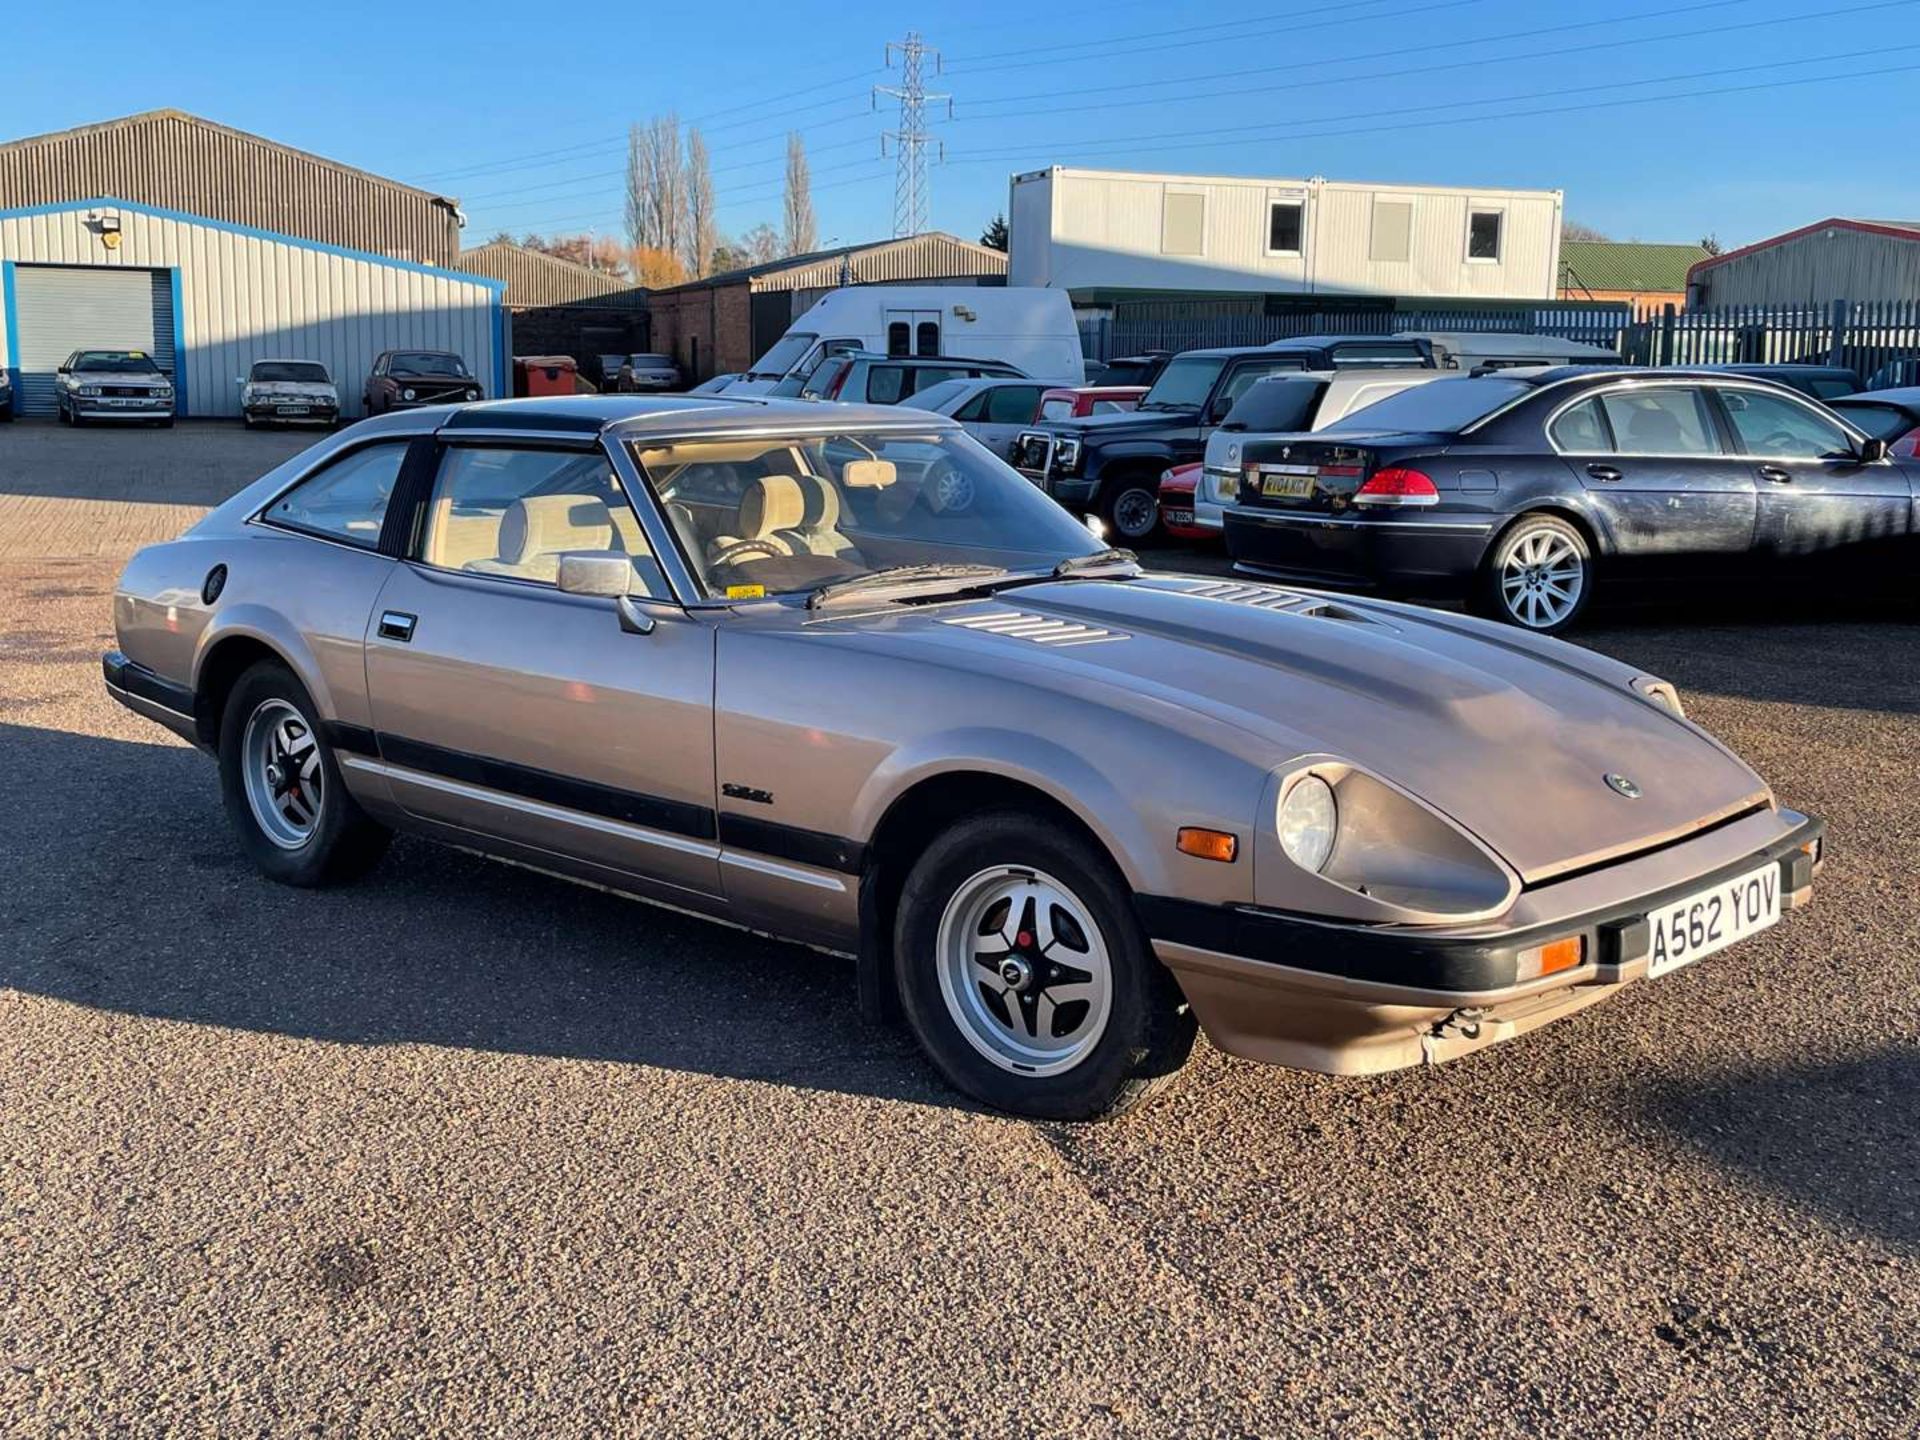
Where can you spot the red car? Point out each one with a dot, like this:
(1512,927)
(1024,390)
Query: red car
(1070,402)
(1176,504)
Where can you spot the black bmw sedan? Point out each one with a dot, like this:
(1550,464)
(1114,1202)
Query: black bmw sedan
(1525,492)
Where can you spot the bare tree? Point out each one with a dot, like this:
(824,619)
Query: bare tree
(701,234)
(799,235)
(656,187)
(1711,244)
(761,244)
(1574,230)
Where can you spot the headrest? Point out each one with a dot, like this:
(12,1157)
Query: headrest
(773,504)
(868,474)
(546,524)
(823,504)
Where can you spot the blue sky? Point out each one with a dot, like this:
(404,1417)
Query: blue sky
(521,109)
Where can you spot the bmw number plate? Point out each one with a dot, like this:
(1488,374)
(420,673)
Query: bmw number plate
(1713,919)
(1286,482)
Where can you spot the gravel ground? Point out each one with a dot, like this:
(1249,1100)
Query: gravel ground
(463,1151)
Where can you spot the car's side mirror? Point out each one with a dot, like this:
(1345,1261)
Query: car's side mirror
(64,370)
(1873,451)
(598,572)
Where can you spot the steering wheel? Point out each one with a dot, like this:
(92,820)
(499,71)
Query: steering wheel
(1780,442)
(748,549)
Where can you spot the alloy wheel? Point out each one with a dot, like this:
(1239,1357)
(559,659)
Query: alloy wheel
(1024,970)
(285,781)
(1542,577)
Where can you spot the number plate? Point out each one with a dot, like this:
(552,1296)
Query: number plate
(1177,517)
(1711,920)
(292,409)
(1286,482)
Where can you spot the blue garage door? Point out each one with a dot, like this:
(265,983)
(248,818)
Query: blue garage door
(64,308)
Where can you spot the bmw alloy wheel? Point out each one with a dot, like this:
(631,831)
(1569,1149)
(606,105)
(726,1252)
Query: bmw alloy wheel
(285,781)
(1542,577)
(1024,970)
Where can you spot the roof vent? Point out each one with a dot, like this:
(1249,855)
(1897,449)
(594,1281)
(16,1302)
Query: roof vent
(1039,629)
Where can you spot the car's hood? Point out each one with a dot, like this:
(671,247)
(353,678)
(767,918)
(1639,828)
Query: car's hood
(291,388)
(134,382)
(1510,735)
(1118,423)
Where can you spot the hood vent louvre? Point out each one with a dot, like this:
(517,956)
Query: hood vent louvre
(1018,625)
(1260,597)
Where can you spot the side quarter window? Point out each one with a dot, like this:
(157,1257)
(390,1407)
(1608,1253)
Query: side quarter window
(346,501)
(1582,430)
(974,409)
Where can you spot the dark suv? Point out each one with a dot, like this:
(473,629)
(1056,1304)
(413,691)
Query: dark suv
(1111,464)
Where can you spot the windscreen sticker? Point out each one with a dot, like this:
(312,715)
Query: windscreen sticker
(746,592)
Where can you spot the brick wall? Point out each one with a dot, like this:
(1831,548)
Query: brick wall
(707,331)
(582,331)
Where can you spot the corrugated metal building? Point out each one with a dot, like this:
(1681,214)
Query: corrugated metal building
(207,297)
(727,321)
(177,161)
(1858,260)
(534,278)
(1111,235)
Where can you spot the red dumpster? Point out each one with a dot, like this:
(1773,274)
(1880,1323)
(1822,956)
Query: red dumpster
(543,374)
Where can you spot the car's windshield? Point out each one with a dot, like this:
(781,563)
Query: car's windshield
(307,371)
(116,362)
(784,355)
(1443,406)
(652,362)
(1185,383)
(769,515)
(936,397)
(425,362)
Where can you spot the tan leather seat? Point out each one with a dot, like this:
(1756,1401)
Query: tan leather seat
(818,532)
(539,529)
(774,504)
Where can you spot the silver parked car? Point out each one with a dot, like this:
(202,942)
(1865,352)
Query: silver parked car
(112,385)
(724,656)
(288,392)
(993,411)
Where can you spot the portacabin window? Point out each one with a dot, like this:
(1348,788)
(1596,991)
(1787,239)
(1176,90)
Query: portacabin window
(1484,234)
(1286,227)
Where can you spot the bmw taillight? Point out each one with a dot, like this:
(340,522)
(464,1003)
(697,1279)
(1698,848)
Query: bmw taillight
(1397,485)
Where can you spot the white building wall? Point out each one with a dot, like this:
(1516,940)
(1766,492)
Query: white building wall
(1100,229)
(245,295)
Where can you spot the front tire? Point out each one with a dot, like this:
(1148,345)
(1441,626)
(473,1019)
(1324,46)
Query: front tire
(282,786)
(1027,978)
(1538,575)
(1131,507)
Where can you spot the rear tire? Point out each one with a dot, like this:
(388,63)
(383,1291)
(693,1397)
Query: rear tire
(1069,1016)
(1538,575)
(282,786)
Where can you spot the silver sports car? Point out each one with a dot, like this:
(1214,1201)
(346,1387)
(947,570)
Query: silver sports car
(743,659)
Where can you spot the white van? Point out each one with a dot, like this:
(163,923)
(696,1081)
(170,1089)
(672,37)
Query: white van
(1029,327)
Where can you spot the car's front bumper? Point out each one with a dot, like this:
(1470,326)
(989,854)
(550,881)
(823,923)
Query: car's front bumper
(1350,999)
(296,412)
(96,407)
(1410,553)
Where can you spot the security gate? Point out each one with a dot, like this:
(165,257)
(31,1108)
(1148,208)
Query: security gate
(64,308)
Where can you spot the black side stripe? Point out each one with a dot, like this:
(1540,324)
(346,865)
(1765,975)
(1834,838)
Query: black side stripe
(677,817)
(354,739)
(790,842)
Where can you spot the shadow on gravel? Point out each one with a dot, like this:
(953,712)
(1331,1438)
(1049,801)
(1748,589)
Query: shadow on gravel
(125,891)
(1841,1141)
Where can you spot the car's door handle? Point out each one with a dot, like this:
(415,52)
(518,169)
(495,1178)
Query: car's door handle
(1603,472)
(397,625)
(1776,474)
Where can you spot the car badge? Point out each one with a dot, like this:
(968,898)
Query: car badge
(1621,785)
(1233,453)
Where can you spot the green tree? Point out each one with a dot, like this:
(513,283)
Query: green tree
(994,237)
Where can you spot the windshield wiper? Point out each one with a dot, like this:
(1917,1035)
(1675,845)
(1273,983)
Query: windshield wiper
(1163,405)
(910,578)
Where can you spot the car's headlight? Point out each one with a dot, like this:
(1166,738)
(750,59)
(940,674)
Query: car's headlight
(406,394)
(1661,693)
(1309,822)
(89,389)
(163,392)
(1066,456)
(473,394)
